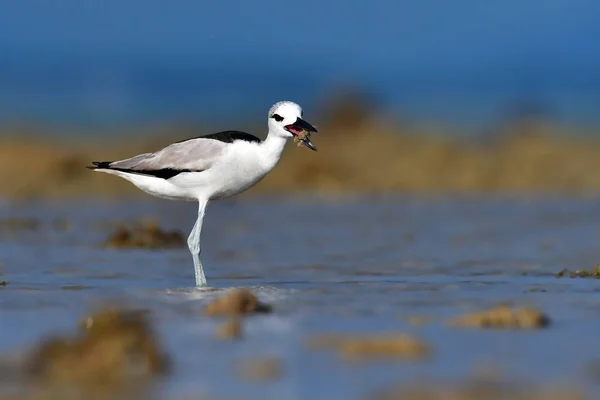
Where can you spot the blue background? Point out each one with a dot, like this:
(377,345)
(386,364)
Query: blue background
(461,62)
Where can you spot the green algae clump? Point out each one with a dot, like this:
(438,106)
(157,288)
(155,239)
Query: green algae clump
(237,302)
(113,348)
(580,273)
(389,346)
(502,317)
(146,236)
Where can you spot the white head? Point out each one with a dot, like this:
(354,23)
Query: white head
(285,120)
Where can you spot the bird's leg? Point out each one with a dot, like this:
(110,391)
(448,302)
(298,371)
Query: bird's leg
(194,245)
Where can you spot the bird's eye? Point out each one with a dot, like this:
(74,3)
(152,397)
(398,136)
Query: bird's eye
(277,117)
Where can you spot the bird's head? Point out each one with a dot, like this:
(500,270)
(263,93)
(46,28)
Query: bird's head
(285,120)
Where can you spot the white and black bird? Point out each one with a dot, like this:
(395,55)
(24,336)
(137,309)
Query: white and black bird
(212,167)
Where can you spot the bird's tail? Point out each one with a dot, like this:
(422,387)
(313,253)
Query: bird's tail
(99,164)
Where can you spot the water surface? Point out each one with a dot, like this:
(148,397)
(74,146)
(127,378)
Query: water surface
(361,265)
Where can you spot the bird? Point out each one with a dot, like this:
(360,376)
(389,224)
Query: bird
(214,166)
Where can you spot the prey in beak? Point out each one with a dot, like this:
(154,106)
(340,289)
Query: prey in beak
(301,131)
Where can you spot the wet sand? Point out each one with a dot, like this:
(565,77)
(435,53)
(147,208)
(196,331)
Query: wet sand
(372,155)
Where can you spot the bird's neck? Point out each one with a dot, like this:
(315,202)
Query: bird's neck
(273,146)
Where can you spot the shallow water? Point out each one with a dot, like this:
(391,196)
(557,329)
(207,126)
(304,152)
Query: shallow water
(360,265)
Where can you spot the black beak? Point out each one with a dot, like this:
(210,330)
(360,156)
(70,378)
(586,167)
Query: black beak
(302,125)
(309,144)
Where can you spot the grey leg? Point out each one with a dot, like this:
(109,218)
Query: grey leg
(194,245)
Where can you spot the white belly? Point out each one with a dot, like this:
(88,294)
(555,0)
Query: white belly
(235,173)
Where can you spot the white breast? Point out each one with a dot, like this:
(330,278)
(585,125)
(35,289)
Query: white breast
(241,166)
